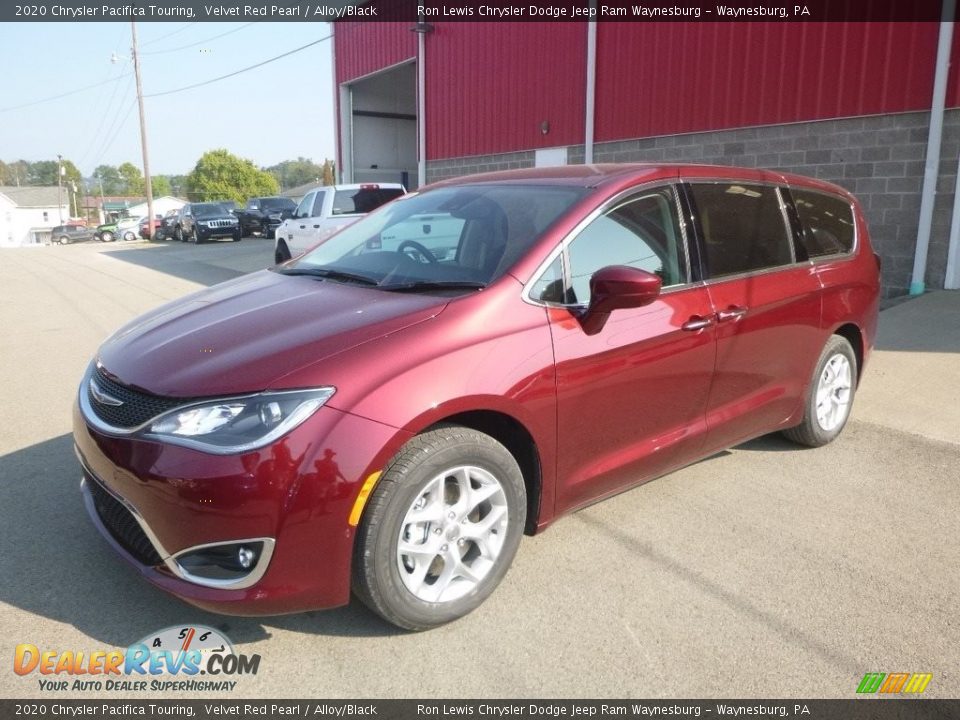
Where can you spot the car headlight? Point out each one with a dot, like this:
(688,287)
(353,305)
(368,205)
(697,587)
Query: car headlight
(236,425)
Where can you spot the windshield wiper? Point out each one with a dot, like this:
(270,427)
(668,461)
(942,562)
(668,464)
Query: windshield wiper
(435,285)
(329,274)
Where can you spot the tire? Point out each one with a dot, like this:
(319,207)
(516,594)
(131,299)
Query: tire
(830,396)
(178,234)
(64,240)
(195,236)
(237,236)
(282,253)
(414,590)
(243,231)
(106,236)
(129,236)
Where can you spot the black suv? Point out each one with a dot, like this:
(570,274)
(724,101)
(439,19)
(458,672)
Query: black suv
(64,234)
(199,222)
(264,215)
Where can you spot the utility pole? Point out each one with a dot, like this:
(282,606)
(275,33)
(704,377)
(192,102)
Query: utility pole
(143,133)
(60,187)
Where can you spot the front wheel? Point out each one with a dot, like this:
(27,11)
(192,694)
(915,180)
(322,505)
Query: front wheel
(106,236)
(178,234)
(441,528)
(830,396)
(64,240)
(282,253)
(237,236)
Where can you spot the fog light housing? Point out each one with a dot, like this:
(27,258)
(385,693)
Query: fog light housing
(225,565)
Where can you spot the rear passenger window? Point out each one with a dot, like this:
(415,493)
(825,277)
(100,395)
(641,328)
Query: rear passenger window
(828,226)
(743,228)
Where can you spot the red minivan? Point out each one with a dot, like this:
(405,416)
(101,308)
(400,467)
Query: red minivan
(390,418)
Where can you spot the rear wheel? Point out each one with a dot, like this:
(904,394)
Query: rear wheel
(64,240)
(195,236)
(178,234)
(282,253)
(129,236)
(441,528)
(830,396)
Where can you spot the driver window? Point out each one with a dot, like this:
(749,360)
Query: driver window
(317,210)
(303,209)
(641,232)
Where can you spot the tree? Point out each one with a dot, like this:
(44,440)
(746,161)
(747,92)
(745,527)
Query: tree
(219,175)
(291,173)
(329,172)
(131,179)
(109,177)
(161,186)
(15,173)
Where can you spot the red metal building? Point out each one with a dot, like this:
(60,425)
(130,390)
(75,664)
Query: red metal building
(846,101)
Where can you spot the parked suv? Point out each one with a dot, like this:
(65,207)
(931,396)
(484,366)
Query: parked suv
(264,214)
(390,420)
(65,234)
(199,222)
(325,210)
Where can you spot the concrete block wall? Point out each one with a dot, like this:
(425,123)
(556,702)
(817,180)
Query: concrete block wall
(880,159)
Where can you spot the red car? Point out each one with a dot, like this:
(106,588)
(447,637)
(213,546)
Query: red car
(390,412)
(157,222)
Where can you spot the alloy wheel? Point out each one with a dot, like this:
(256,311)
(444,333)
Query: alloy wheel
(833,392)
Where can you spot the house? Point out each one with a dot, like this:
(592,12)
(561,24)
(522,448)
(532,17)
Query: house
(27,214)
(296,193)
(161,206)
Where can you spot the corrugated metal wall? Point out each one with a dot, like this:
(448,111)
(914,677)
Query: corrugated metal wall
(667,78)
(491,85)
(365,47)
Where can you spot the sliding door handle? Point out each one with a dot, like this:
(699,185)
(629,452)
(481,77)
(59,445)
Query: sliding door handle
(734,312)
(697,322)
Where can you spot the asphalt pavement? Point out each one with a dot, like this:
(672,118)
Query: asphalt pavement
(766,571)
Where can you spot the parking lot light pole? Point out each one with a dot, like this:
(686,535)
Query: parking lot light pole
(148,186)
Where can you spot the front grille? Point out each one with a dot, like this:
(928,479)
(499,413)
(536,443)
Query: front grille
(121,524)
(220,223)
(136,407)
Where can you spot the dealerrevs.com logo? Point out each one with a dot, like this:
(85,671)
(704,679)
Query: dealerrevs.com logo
(172,659)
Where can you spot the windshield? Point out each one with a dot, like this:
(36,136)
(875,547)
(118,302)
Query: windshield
(277,204)
(208,210)
(465,236)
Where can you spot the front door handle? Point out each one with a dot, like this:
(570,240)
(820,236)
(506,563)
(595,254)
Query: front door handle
(316,226)
(734,312)
(303,227)
(697,322)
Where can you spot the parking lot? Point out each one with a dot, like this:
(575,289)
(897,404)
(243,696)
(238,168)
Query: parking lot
(765,571)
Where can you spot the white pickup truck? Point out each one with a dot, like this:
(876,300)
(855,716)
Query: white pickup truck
(325,210)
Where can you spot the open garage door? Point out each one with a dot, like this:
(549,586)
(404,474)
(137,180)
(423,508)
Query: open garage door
(378,120)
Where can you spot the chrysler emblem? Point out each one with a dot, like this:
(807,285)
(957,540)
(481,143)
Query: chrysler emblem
(101,397)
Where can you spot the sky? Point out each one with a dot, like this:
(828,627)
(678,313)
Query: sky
(280,111)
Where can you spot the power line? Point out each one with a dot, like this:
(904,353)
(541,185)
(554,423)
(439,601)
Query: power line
(238,72)
(199,42)
(115,128)
(63,95)
(95,139)
(186,26)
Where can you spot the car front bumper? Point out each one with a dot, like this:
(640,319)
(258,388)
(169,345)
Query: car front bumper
(209,233)
(154,501)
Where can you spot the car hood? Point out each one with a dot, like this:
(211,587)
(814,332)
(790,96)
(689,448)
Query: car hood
(246,334)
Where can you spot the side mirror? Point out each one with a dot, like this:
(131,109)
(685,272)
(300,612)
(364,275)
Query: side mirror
(617,287)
